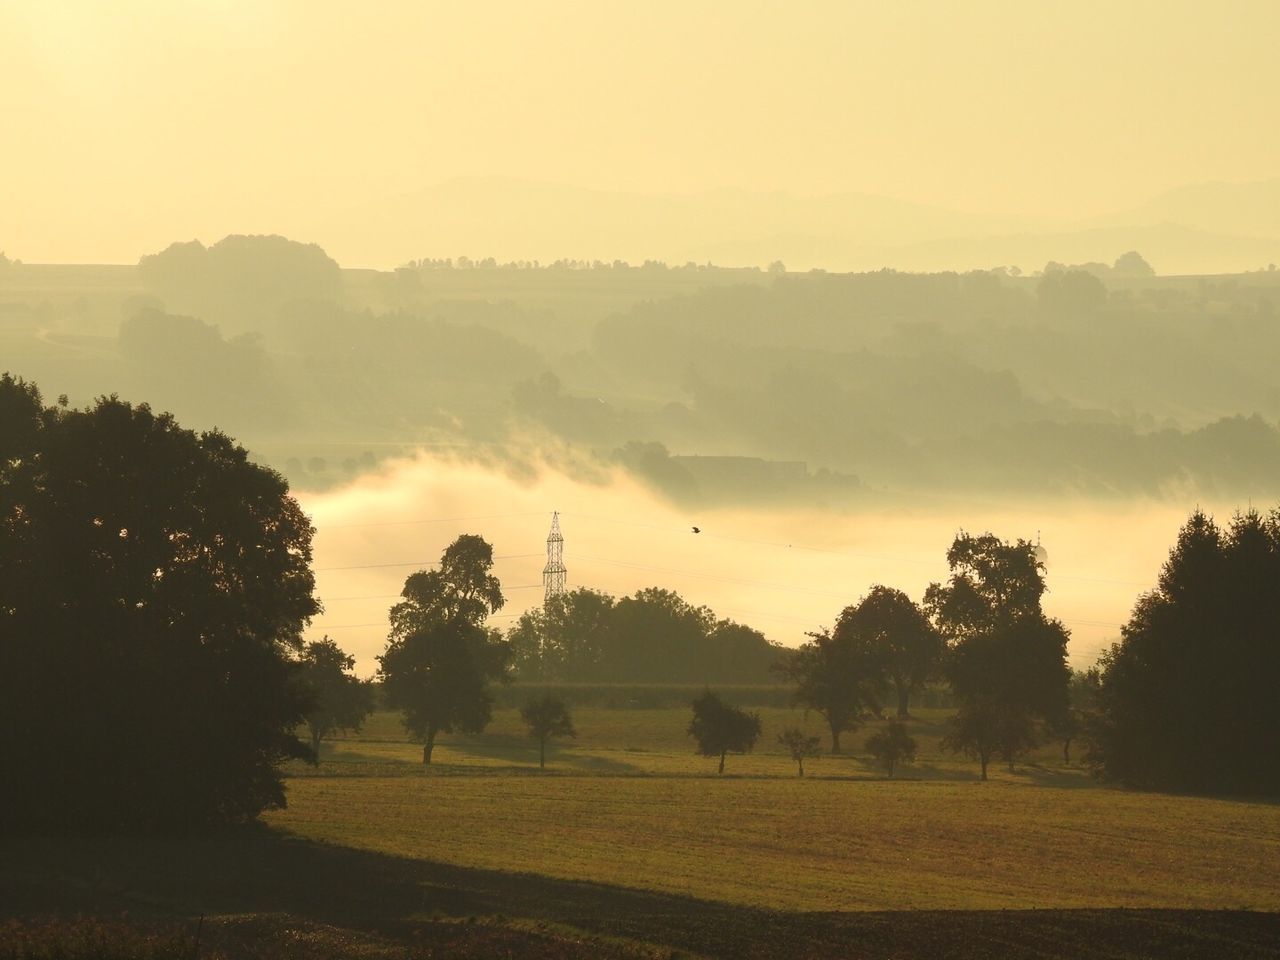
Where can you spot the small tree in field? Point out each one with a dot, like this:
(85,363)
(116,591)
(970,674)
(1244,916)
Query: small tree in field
(721,729)
(340,701)
(800,745)
(547,717)
(976,731)
(892,745)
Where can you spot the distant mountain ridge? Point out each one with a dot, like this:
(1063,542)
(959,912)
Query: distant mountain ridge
(1204,228)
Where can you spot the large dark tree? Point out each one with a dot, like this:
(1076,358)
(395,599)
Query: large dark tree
(338,700)
(440,656)
(153,588)
(887,622)
(1187,698)
(1006,659)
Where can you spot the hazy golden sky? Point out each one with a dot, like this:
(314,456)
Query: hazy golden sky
(130,124)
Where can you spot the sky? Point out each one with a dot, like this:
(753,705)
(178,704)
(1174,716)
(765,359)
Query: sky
(132,124)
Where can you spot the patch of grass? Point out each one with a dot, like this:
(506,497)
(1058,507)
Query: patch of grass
(817,845)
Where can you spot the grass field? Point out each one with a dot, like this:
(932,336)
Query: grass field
(818,845)
(630,845)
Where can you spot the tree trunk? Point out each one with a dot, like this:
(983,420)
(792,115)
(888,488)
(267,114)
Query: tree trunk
(800,760)
(890,766)
(315,744)
(429,745)
(983,760)
(904,698)
(835,738)
(542,753)
(722,763)
(1066,750)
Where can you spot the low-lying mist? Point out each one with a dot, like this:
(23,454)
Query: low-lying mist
(783,570)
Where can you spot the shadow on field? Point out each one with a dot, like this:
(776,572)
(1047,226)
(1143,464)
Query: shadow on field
(257,871)
(523,753)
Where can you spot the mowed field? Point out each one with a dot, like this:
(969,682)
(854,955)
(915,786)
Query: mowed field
(629,804)
(630,846)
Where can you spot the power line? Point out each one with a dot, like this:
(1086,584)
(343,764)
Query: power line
(417,563)
(682,531)
(401,523)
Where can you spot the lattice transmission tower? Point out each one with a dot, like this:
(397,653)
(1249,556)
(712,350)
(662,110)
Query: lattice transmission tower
(553,574)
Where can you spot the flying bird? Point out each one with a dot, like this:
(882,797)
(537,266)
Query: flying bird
(697,529)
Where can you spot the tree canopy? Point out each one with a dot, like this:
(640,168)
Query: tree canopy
(338,700)
(721,729)
(1006,660)
(440,656)
(1186,698)
(154,584)
(840,675)
(546,717)
(653,636)
(898,635)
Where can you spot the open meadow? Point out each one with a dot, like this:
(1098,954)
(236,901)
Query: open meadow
(629,803)
(630,845)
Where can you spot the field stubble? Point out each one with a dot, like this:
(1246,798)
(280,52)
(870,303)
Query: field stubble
(629,804)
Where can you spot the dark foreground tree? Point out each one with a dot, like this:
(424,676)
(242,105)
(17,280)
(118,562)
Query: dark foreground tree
(339,701)
(154,584)
(800,745)
(721,729)
(892,745)
(440,656)
(547,717)
(1187,698)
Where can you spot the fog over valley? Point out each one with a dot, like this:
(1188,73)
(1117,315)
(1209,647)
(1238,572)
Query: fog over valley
(572,481)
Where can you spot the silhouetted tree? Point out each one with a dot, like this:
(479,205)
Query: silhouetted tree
(154,584)
(976,731)
(564,639)
(721,729)
(440,656)
(892,745)
(339,701)
(1080,709)
(897,634)
(1186,700)
(839,676)
(800,745)
(1132,264)
(547,717)
(1006,660)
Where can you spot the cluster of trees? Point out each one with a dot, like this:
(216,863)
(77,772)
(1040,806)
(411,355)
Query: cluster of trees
(154,584)
(884,646)
(491,263)
(653,636)
(241,278)
(983,630)
(1185,700)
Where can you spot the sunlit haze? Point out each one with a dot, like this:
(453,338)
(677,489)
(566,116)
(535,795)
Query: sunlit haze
(786,571)
(130,125)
